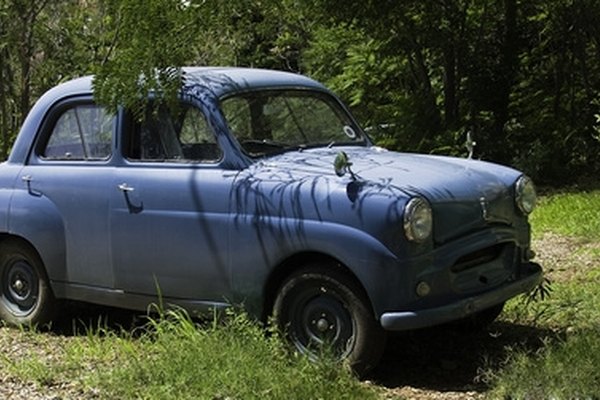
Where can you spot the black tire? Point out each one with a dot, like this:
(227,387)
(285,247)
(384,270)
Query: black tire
(321,309)
(25,295)
(480,320)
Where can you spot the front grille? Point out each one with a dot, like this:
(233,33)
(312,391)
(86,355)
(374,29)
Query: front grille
(477,258)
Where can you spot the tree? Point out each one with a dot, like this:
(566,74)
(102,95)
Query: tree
(522,77)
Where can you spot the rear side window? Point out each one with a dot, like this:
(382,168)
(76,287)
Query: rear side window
(181,135)
(82,132)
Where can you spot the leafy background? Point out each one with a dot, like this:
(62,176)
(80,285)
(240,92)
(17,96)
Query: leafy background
(521,76)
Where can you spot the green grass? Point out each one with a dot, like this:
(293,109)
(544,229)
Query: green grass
(567,365)
(175,358)
(571,214)
(567,369)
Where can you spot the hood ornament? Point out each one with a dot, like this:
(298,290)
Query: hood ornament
(341,165)
(470,144)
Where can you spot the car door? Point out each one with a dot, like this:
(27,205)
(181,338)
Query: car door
(70,169)
(169,210)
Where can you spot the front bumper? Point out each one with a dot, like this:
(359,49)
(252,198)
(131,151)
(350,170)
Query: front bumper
(406,320)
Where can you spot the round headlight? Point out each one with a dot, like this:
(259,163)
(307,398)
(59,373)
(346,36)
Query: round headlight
(418,220)
(525,195)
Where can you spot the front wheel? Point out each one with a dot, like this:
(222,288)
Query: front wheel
(321,309)
(25,296)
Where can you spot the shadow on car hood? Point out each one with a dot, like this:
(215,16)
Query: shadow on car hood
(437,178)
(465,194)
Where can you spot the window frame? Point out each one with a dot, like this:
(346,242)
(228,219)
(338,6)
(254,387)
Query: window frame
(49,123)
(332,101)
(131,125)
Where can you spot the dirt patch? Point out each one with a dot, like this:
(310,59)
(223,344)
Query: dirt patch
(565,258)
(22,346)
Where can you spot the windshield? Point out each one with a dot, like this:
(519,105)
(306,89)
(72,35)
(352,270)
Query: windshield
(269,122)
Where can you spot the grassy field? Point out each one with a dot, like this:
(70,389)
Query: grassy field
(567,238)
(546,348)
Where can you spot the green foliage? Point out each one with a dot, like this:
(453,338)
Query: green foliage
(522,77)
(149,41)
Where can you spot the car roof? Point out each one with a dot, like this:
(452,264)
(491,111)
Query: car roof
(198,81)
(221,81)
(226,80)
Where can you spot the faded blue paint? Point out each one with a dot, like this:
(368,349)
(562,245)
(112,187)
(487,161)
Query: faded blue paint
(211,235)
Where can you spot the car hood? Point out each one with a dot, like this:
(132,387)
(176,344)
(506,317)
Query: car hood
(464,194)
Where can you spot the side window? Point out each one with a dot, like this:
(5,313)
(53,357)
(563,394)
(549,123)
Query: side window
(82,132)
(238,114)
(183,136)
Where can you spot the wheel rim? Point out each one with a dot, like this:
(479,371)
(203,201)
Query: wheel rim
(20,287)
(319,321)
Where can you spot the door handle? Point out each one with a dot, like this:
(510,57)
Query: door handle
(27,180)
(125,188)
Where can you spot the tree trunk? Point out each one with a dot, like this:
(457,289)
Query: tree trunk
(508,68)
(450,102)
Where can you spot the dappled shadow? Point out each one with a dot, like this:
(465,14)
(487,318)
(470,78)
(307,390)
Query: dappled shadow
(446,358)
(77,319)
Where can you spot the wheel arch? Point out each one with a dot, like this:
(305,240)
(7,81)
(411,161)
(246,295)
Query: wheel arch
(19,240)
(296,262)
(32,302)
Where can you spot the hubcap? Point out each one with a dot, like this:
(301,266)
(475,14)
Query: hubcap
(20,287)
(323,325)
(319,319)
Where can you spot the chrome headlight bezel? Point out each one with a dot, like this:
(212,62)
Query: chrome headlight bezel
(525,195)
(418,220)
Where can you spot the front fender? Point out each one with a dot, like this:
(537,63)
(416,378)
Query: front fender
(268,242)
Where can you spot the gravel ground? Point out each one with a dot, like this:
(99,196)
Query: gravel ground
(19,345)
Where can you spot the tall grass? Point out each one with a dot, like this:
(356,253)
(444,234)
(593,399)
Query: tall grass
(173,357)
(235,360)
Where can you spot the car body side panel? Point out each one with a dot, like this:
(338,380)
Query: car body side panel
(261,244)
(5,196)
(169,231)
(78,195)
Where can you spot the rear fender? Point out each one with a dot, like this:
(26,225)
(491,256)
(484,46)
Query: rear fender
(35,219)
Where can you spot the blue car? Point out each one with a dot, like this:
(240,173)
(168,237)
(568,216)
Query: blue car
(258,189)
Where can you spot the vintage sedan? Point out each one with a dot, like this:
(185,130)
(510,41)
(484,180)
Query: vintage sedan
(261,190)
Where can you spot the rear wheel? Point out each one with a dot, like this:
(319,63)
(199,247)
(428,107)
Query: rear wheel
(25,296)
(321,309)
